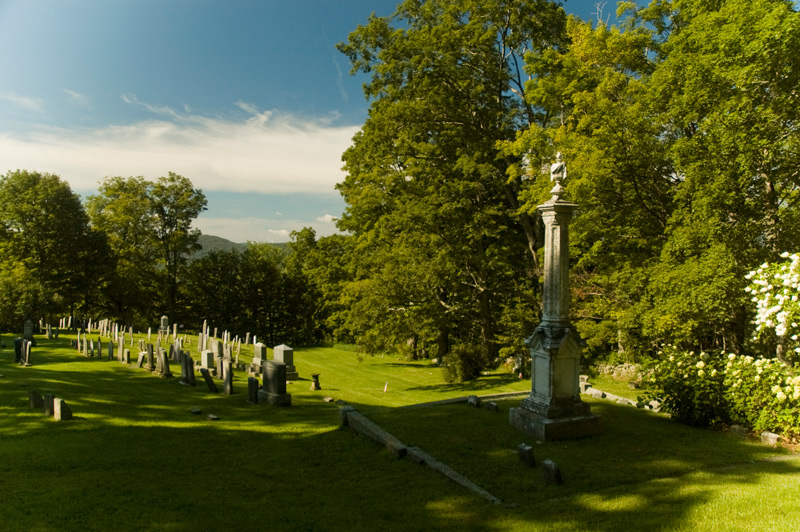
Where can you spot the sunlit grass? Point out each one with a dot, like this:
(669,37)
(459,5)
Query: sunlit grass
(137,458)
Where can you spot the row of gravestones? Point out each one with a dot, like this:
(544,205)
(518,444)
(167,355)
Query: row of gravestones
(52,406)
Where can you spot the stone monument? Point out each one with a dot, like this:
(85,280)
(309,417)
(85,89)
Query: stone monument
(554,409)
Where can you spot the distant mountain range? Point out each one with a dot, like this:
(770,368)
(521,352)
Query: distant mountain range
(217,243)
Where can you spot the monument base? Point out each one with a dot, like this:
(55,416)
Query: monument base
(547,429)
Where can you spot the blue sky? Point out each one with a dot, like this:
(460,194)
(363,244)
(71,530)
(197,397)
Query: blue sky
(249,99)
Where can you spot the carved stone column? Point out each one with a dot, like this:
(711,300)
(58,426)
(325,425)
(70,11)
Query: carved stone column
(554,409)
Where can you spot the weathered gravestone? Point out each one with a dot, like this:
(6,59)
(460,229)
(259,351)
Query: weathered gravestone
(284,353)
(187,368)
(212,387)
(206,359)
(141,359)
(17,349)
(163,363)
(252,390)
(27,330)
(275,384)
(227,373)
(61,412)
(48,404)
(259,357)
(150,362)
(35,400)
(126,356)
(110,350)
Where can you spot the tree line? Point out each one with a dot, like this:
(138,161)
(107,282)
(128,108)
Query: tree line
(679,128)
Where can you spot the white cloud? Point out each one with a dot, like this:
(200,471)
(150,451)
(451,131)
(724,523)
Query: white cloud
(77,98)
(267,153)
(327,218)
(32,104)
(259,229)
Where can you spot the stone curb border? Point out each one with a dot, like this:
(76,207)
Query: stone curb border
(356,421)
(458,400)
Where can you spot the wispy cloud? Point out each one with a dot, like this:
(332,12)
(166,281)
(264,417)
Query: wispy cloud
(259,229)
(31,104)
(76,98)
(267,153)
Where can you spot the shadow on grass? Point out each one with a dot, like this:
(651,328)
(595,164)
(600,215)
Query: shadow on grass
(484,382)
(140,460)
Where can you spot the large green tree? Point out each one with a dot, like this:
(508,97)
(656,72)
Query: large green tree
(440,239)
(121,210)
(52,260)
(149,225)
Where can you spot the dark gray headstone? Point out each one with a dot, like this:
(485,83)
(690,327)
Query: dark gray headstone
(252,390)
(17,349)
(525,453)
(61,412)
(48,404)
(110,350)
(212,387)
(27,330)
(552,473)
(164,363)
(35,400)
(275,377)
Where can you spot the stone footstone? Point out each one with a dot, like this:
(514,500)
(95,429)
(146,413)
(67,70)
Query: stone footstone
(49,404)
(61,412)
(491,406)
(35,400)
(525,453)
(474,400)
(552,473)
(196,411)
(212,417)
(770,438)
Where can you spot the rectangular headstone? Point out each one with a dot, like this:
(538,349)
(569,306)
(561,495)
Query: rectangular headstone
(48,404)
(61,412)
(275,377)
(35,400)
(227,373)
(252,390)
(259,356)
(126,356)
(164,363)
(150,362)
(212,387)
(207,359)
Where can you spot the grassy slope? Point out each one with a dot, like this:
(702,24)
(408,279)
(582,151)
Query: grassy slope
(138,460)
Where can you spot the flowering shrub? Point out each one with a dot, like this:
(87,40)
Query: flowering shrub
(774,289)
(690,387)
(708,388)
(763,394)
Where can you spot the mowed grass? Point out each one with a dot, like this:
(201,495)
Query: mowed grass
(137,459)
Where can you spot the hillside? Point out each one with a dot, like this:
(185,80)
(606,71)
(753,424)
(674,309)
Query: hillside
(216,243)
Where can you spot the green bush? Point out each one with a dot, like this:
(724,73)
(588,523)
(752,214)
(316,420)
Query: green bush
(691,386)
(463,363)
(708,388)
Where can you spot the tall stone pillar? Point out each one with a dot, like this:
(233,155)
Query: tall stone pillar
(554,409)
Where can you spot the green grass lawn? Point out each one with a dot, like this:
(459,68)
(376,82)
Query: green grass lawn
(137,459)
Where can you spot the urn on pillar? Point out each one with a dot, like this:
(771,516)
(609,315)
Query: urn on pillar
(554,409)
